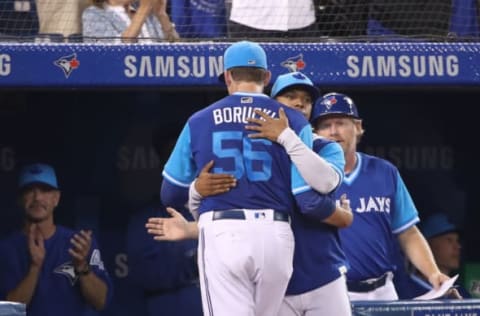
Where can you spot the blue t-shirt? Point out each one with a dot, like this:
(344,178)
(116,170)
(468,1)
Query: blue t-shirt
(58,288)
(199,19)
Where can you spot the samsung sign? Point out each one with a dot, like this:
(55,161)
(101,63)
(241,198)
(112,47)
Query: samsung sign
(182,66)
(405,66)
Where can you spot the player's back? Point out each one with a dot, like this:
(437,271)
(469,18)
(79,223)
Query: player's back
(262,168)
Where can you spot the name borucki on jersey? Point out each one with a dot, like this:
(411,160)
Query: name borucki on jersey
(237,114)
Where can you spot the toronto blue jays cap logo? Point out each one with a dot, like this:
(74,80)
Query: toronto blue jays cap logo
(329,101)
(67,64)
(334,103)
(35,170)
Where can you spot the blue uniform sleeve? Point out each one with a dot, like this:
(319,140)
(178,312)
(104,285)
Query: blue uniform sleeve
(5,270)
(315,205)
(180,168)
(405,213)
(179,171)
(173,195)
(14,261)
(99,269)
(158,266)
(311,203)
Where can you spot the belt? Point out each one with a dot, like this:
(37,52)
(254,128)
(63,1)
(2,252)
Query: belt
(367,285)
(240,214)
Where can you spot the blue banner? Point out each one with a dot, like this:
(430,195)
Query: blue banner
(199,64)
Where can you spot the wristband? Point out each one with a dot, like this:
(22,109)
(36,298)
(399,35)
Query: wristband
(83,272)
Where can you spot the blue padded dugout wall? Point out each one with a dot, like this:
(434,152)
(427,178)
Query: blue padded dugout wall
(199,64)
(100,141)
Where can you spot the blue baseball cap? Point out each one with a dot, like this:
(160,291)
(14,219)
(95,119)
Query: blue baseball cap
(294,80)
(244,54)
(37,173)
(334,104)
(436,225)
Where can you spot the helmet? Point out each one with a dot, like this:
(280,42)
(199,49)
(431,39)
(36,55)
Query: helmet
(334,104)
(294,79)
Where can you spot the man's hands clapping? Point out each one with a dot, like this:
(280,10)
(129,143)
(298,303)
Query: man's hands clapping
(81,243)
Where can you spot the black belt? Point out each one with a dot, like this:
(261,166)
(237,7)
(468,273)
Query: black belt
(240,214)
(367,286)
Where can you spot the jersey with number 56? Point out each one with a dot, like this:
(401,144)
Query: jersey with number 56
(265,175)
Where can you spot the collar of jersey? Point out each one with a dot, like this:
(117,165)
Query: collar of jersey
(253,94)
(349,178)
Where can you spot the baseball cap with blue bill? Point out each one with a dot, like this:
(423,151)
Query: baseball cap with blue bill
(436,225)
(294,80)
(334,104)
(37,173)
(243,54)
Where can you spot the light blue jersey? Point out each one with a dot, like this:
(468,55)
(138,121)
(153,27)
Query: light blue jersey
(382,209)
(266,178)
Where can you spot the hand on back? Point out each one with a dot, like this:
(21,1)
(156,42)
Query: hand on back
(267,126)
(208,183)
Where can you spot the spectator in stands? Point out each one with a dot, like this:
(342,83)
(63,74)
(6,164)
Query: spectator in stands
(398,20)
(199,19)
(50,268)
(120,20)
(464,21)
(60,16)
(166,271)
(444,240)
(270,19)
